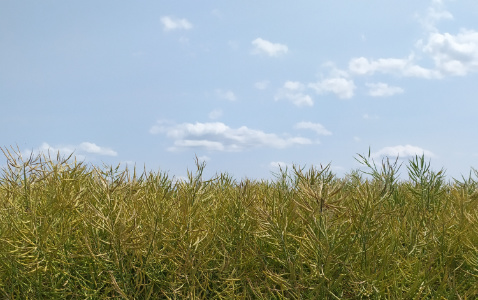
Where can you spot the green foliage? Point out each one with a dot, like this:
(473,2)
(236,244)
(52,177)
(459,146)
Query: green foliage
(426,185)
(68,230)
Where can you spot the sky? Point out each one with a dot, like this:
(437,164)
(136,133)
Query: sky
(245,86)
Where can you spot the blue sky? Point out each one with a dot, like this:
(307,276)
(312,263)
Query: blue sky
(245,86)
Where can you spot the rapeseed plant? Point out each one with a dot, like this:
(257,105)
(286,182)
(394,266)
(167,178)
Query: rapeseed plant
(76,231)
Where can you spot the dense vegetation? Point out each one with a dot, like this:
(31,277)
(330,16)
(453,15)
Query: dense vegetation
(73,231)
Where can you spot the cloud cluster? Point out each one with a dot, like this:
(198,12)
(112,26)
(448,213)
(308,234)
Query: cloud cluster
(452,54)
(448,54)
(455,55)
(217,136)
(338,83)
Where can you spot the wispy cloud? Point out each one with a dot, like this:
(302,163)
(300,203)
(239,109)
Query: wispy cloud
(217,13)
(93,148)
(294,92)
(204,158)
(380,89)
(369,117)
(262,46)
(172,23)
(261,85)
(80,151)
(215,114)
(217,136)
(402,151)
(405,67)
(435,13)
(280,165)
(226,95)
(45,148)
(318,128)
(233,44)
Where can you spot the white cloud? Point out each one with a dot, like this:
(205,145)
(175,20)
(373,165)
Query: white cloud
(395,66)
(183,40)
(215,114)
(218,136)
(337,169)
(128,163)
(208,145)
(279,164)
(293,91)
(45,148)
(217,13)
(341,87)
(435,13)
(300,99)
(262,46)
(93,148)
(337,82)
(171,23)
(369,117)
(233,44)
(453,54)
(226,95)
(79,151)
(261,85)
(383,90)
(138,54)
(318,128)
(402,151)
(357,139)
(294,85)
(204,158)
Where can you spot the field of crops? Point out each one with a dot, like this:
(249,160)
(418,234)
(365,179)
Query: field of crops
(76,231)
